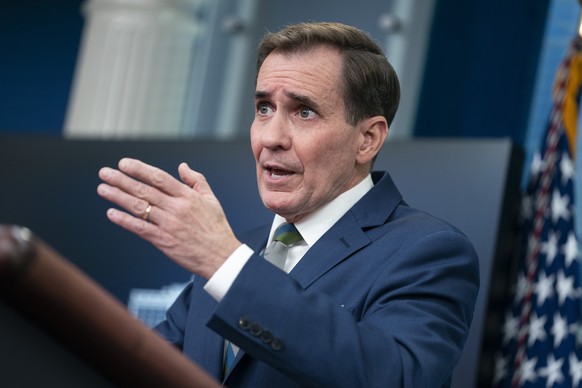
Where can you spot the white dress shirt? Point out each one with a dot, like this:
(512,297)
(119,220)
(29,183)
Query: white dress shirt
(311,228)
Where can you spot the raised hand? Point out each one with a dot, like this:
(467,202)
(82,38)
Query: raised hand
(181,218)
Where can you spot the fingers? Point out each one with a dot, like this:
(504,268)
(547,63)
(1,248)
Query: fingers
(146,191)
(150,176)
(135,185)
(135,225)
(134,205)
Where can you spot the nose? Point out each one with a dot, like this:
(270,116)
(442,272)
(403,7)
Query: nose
(276,132)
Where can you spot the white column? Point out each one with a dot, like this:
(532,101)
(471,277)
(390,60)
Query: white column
(242,53)
(133,69)
(406,47)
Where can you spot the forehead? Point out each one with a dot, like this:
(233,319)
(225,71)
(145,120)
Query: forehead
(314,71)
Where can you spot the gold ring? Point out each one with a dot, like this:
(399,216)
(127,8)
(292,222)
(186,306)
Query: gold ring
(146,216)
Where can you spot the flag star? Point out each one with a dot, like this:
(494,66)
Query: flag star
(500,369)
(560,206)
(536,329)
(565,287)
(575,369)
(527,372)
(510,328)
(570,249)
(544,288)
(536,164)
(566,168)
(522,287)
(559,329)
(550,247)
(553,371)
(576,331)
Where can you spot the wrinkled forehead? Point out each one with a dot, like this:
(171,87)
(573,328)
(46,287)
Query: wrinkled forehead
(303,50)
(318,63)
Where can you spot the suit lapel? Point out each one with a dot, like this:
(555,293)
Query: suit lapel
(336,245)
(349,234)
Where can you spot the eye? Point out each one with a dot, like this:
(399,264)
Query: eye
(306,113)
(264,109)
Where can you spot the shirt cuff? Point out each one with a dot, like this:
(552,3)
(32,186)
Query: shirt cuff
(219,284)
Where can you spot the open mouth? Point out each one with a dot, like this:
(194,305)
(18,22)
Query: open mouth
(278,173)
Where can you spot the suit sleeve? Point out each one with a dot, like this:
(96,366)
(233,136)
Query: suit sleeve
(408,329)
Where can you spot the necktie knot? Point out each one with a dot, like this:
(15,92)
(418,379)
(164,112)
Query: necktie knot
(287,234)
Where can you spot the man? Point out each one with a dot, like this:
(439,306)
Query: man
(375,294)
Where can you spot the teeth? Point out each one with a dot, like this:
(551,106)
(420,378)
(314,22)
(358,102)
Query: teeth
(277,173)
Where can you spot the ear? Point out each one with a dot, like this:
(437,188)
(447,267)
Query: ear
(373,134)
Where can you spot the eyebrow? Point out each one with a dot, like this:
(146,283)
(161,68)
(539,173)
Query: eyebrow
(259,94)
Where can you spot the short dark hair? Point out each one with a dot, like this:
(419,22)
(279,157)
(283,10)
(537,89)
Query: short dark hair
(370,84)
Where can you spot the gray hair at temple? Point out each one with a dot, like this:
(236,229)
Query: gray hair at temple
(370,86)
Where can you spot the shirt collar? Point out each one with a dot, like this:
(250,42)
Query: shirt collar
(316,224)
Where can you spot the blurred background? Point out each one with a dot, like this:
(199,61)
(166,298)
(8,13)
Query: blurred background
(470,69)
(168,78)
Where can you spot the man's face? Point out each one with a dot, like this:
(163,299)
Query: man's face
(305,151)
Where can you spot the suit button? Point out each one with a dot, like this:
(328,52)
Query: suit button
(256,329)
(267,336)
(276,344)
(244,323)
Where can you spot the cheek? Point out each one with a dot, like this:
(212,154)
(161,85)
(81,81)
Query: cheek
(334,153)
(255,144)
(321,164)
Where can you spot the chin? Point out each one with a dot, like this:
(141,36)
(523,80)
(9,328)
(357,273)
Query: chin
(276,206)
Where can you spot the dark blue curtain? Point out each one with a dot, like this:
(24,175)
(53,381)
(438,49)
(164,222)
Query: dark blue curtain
(481,68)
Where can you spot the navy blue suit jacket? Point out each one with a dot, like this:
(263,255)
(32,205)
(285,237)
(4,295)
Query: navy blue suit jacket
(384,299)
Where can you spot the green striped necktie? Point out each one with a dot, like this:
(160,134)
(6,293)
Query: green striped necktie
(287,234)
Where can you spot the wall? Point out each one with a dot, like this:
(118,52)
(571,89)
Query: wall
(38,52)
(480,71)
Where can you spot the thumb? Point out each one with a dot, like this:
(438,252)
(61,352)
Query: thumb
(193,179)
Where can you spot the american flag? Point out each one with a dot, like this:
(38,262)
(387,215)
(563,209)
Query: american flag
(542,332)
